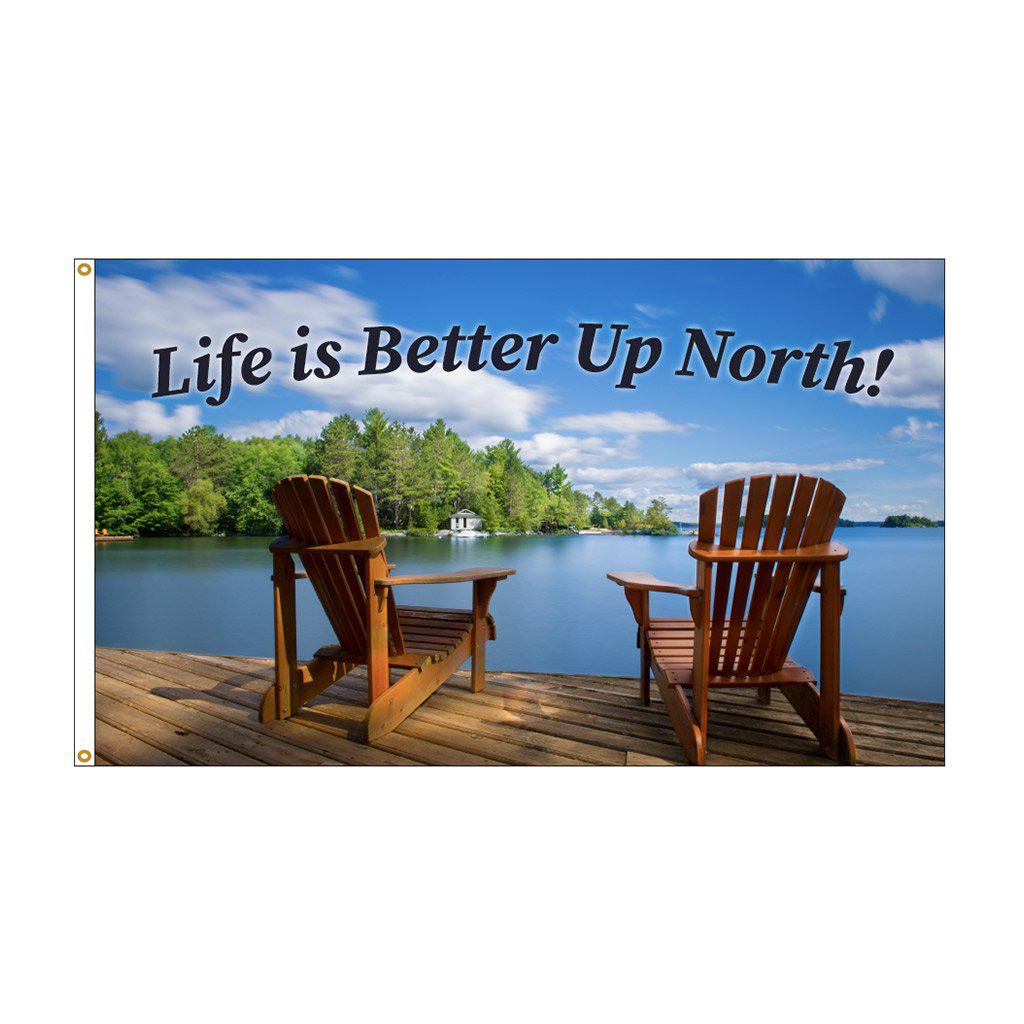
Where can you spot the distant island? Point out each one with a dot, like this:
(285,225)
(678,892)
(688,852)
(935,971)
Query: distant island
(904,520)
(896,522)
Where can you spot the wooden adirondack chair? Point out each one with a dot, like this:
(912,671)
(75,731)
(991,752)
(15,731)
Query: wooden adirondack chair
(746,643)
(333,529)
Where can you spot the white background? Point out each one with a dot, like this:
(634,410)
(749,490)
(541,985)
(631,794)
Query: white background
(227,129)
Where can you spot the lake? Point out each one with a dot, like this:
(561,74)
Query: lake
(558,614)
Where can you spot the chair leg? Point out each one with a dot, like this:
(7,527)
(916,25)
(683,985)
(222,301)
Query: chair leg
(691,737)
(645,674)
(816,711)
(479,644)
(764,694)
(286,666)
(828,732)
(482,591)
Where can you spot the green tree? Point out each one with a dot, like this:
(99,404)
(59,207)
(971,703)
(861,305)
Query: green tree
(136,492)
(201,507)
(338,452)
(258,464)
(556,480)
(200,453)
(657,519)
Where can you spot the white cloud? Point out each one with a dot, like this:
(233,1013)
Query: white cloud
(861,510)
(147,416)
(590,476)
(920,280)
(544,449)
(813,266)
(878,310)
(654,312)
(916,430)
(683,506)
(624,423)
(305,423)
(135,317)
(710,474)
(466,400)
(913,380)
(595,464)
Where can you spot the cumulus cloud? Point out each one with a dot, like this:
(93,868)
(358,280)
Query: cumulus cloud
(544,449)
(878,310)
(916,430)
(624,423)
(588,476)
(305,423)
(135,317)
(913,380)
(466,400)
(147,416)
(920,280)
(710,474)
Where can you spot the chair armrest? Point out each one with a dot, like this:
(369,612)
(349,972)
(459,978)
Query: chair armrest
(369,546)
(831,552)
(461,576)
(645,581)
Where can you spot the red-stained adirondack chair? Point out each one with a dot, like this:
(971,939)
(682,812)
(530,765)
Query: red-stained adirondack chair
(745,641)
(333,529)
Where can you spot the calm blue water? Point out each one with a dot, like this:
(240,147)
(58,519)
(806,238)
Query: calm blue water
(558,614)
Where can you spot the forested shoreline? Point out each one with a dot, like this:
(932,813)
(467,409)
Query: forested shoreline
(204,483)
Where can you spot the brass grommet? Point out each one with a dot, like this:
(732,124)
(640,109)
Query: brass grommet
(84,756)
(84,269)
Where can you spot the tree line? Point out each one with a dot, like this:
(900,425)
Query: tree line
(900,521)
(203,483)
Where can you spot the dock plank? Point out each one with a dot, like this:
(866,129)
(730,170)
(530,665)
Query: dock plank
(169,708)
(121,748)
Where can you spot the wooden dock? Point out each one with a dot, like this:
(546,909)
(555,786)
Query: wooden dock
(159,708)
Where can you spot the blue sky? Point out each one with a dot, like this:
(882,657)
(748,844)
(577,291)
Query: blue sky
(671,436)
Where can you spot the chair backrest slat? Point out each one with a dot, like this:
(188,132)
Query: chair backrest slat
(706,517)
(732,501)
(755,638)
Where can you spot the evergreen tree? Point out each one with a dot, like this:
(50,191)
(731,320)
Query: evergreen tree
(338,452)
